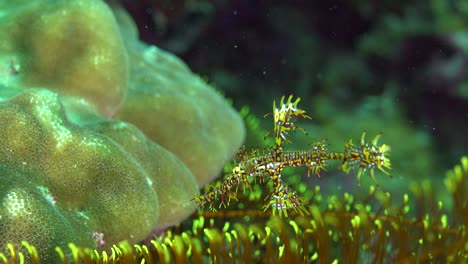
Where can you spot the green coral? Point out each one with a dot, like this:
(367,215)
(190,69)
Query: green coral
(54,45)
(27,210)
(87,172)
(73,173)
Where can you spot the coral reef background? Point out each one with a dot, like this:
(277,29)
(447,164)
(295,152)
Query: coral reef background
(396,68)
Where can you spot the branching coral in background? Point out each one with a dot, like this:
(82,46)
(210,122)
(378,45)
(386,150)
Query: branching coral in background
(268,166)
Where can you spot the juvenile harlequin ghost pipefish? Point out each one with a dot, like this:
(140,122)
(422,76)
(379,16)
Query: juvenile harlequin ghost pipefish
(268,166)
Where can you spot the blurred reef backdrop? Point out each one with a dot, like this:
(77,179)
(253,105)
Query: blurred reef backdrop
(114,113)
(404,63)
(396,68)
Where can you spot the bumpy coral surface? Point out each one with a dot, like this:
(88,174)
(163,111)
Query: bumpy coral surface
(72,47)
(68,172)
(105,175)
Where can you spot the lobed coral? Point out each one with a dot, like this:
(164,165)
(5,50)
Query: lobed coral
(70,170)
(56,44)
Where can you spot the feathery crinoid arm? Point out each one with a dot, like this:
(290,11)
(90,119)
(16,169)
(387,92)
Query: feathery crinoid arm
(268,167)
